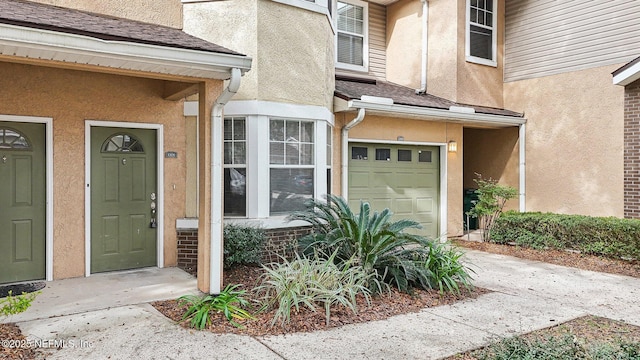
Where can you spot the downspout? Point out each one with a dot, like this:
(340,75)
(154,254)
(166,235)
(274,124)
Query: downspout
(522,140)
(425,44)
(345,150)
(216,254)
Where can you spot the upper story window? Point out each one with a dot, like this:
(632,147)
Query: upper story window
(481,32)
(352,35)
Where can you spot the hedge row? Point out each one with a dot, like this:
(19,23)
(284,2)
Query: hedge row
(611,237)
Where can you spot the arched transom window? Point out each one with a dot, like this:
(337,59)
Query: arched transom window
(13,139)
(122,143)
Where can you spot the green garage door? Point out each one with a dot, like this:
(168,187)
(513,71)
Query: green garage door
(22,202)
(402,178)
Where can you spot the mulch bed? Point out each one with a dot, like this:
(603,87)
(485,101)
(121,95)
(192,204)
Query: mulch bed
(13,344)
(305,320)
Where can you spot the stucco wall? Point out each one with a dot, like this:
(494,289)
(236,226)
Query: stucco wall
(162,12)
(574,141)
(386,128)
(292,48)
(479,84)
(449,75)
(71,97)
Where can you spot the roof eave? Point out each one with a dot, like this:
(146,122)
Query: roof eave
(627,75)
(426,113)
(31,43)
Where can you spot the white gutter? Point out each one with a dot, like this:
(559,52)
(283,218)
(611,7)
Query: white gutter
(522,140)
(41,44)
(451,115)
(217,197)
(425,44)
(345,150)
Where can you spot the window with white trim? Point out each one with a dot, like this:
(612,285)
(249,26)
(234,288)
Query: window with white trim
(481,30)
(352,25)
(291,160)
(235,166)
(329,157)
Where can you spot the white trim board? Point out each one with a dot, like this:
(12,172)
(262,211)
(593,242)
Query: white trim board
(160,178)
(49,184)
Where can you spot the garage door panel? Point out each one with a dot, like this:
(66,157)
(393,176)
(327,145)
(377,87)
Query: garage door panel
(359,179)
(425,206)
(410,188)
(404,207)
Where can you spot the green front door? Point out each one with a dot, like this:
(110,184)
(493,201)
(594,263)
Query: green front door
(123,198)
(22,201)
(403,178)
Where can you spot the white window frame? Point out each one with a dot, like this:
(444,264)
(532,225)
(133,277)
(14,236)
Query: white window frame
(494,36)
(233,165)
(365,41)
(258,115)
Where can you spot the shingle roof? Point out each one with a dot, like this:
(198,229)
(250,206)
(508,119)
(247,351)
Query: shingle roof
(353,89)
(59,19)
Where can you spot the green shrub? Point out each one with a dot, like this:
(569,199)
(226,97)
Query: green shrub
(15,304)
(558,347)
(382,247)
(549,348)
(228,303)
(446,269)
(242,245)
(371,240)
(492,198)
(311,282)
(606,236)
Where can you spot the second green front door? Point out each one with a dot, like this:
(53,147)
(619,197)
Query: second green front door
(123,198)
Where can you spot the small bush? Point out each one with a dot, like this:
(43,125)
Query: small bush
(492,197)
(311,282)
(15,304)
(229,302)
(242,245)
(606,236)
(446,269)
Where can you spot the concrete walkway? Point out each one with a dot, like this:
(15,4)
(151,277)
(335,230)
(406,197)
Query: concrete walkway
(526,296)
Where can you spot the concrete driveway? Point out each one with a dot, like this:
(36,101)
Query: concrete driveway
(527,295)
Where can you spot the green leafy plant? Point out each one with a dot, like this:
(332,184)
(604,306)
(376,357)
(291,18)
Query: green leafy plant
(548,348)
(15,304)
(242,245)
(311,282)
(447,271)
(604,236)
(229,303)
(492,197)
(369,239)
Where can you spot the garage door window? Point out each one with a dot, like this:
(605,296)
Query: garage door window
(424,156)
(404,155)
(383,154)
(359,153)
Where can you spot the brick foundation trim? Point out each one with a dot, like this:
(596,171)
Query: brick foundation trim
(279,243)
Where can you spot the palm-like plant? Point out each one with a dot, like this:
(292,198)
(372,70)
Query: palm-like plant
(229,302)
(371,240)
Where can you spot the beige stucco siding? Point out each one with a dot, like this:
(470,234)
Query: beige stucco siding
(449,75)
(71,97)
(574,147)
(162,12)
(380,128)
(292,48)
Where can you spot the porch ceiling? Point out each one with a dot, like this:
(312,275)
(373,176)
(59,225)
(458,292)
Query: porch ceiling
(39,32)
